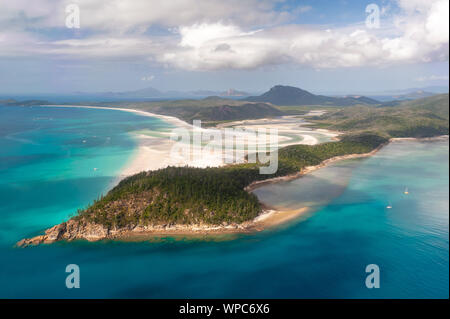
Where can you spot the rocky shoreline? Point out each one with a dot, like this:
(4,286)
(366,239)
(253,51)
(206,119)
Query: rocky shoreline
(75,230)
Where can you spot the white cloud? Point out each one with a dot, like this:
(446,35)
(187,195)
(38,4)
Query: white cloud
(421,35)
(17,43)
(215,34)
(198,35)
(437,24)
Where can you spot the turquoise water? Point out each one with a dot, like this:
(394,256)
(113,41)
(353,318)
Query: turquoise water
(47,172)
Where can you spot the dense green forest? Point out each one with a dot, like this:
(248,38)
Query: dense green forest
(418,118)
(217,113)
(186,195)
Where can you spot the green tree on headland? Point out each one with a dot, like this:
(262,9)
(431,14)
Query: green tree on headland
(186,195)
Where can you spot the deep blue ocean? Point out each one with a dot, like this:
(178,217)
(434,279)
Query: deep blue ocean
(54,161)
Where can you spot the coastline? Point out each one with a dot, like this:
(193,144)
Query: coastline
(156,149)
(309,169)
(423,139)
(70,230)
(170,119)
(267,219)
(153,153)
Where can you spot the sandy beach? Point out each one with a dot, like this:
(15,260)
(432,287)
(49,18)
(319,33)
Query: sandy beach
(154,149)
(435,138)
(293,129)
(269,219)
(154,152)
(169,119)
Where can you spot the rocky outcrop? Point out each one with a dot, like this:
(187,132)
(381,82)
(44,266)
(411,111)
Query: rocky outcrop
(80,228)
(74,229)
(70,230)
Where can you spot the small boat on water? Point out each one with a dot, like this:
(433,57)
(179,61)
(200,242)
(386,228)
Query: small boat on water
(406,192)
(389,206)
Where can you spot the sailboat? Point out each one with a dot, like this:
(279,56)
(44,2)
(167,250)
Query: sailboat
(389,206)
(406,192)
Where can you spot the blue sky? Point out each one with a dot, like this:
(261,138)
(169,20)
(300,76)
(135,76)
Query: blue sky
(322,46)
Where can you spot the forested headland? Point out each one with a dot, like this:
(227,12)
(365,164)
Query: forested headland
(186,195)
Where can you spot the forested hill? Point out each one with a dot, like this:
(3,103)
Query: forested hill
(223,112)
(216,196)
(289,95)
(436,105)
(425,117)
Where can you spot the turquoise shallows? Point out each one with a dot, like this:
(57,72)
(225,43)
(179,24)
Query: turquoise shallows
(47,161)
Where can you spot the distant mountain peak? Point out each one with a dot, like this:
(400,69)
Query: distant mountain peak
(291,95)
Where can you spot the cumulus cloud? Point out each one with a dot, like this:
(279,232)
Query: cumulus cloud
(420,35)
(18,43)
(237,34)
(436,24)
